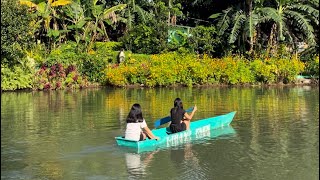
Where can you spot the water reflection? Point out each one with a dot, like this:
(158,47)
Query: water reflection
(187,157)
(137,163)
(70,135)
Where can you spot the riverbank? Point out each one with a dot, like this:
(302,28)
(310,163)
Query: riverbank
(311,83)
(160,70)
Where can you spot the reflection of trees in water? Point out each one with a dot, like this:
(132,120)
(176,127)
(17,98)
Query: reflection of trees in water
(281,109)
(46,116)
(111,105)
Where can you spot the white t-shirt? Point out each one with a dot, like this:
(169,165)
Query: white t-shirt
(134,130)
(121,54)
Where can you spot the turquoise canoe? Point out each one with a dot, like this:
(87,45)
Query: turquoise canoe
(200,129)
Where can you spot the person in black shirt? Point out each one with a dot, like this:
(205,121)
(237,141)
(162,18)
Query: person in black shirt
(180,119)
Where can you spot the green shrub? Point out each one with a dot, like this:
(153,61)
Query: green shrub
(263,71)
(106,47)
(16,34)
(90,64)
(108,51)
(312,67)
(66,54)
(15,78)
(58,77)
(188,69)
(287,69)
(204,40)
(146,39)
(93,67)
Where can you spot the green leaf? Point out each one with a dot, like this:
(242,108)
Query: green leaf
(81,23)
(238,20)
(42,8)
(114,8)
(214,16)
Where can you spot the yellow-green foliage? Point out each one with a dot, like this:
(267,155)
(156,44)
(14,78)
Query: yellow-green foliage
(116,75)
(287,69)
(15,78)
(264,71)
(235,70)
(312,67)
(187,69)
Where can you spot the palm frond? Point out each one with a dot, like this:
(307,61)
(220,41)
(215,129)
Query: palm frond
(251,24)
(289,36)
(303,24)
(142,13)
(270,14)
(239,18)
(114,8)
(314,3)
(214,16)
(224,21)
(306,9)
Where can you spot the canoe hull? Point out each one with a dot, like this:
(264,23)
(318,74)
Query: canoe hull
(209,127)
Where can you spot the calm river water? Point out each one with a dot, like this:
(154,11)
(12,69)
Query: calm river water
(70,134)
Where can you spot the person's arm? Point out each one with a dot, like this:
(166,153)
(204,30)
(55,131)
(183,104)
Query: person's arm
(189,117)
(150,134)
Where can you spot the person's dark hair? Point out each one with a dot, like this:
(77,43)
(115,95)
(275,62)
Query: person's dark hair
(178,104)
(135,114)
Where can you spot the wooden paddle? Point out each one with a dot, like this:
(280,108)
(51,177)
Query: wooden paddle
(167,119)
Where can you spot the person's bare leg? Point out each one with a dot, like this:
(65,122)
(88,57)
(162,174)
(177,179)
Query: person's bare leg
(144,135)
(187,124)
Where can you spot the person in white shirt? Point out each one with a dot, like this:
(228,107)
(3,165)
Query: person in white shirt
(121,56)
(137,129)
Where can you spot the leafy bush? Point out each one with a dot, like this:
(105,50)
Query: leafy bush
(204,40)
(276,70)
(15,78)
(107,47)
(57,77)
(287,69)
(93,67)
(188,69)
(108,51)
(90,64)
(312,67)
(263,71)
(140,39)
(66,54)
(16,34)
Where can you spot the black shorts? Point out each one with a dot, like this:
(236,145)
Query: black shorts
(178,127)
(141,137)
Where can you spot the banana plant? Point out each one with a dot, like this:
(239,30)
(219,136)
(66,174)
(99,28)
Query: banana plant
(133,12)
(239,25)
(48,14)
(100,15)
(286,15)
(75,16)
(290,14)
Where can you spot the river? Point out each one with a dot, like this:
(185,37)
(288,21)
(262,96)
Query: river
(70,134)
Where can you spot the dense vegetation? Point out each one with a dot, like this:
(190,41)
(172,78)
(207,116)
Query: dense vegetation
(57,44)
